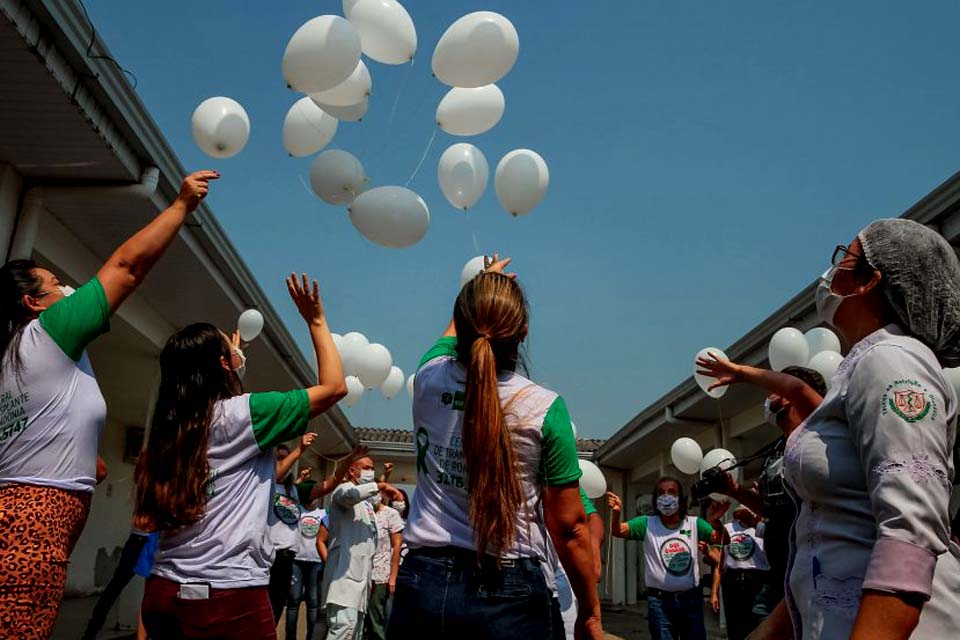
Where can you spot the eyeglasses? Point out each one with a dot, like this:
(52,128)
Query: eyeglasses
(841,252)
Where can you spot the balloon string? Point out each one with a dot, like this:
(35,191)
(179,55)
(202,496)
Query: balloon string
(422,158)
(476,246)
(403,85)
(303,182)
(606,586)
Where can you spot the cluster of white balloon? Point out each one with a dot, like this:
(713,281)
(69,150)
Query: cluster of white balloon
(368,366)
(688,457)
(817,349)
(323,61)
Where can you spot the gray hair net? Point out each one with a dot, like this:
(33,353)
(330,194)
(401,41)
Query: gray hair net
(921,280)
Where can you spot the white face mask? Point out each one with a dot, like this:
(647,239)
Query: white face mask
(399,505)
(667,504)
(67,290)
(375,500)
(242,369)
(826,300)
(367,475)
(769,415)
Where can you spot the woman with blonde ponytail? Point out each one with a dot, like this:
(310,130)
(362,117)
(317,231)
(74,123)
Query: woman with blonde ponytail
(497,473)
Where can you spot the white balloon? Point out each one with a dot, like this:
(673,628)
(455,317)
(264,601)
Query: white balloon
(322,53)
(386,30)
(337,177)
(220,127)
(825,363)
(374,365)
(725,460)
(390,216)
(705,381)
(351,113)
(788,348)
(468,112)
(686,455)
(471,270)
(354,391)
(349,92)
(352,347)
(410,379)
(592,481)
(307,128)
(821,339)
(393,384)
(463,175)
(574,427)
(477,49)
(521,181)
(250,325)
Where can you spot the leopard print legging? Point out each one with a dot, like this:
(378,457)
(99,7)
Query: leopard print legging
(39,527)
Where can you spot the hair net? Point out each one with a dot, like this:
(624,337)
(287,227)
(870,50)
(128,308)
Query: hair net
(921,280)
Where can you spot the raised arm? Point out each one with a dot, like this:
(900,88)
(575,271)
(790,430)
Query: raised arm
(567,524)
(123,271)
(284,466)
(387,471)
(619,529)
(331,386)
(335,479)
(799,393)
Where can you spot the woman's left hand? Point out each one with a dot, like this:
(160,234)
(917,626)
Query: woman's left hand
(724,371)
(306,297)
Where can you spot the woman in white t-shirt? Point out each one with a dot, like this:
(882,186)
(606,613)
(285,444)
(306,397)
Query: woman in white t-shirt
(491,447)
(206,479)
(52,412)
(306,575)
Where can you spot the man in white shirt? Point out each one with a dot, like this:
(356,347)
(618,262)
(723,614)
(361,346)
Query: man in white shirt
(350,550)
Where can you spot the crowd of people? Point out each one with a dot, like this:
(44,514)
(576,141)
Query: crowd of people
(846,534)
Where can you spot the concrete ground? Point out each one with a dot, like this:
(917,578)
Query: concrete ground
(619,623)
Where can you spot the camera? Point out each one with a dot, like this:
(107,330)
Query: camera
(714,481)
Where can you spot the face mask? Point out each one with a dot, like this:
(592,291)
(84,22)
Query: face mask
(67,290)
(668,505)
(375,500)
(399,505)
(367,475)
(826,300)
(242,369)
(769,415)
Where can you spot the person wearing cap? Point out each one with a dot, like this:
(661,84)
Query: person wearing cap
(872,466)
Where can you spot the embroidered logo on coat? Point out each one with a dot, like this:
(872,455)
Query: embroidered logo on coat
(908,400)
(676,556)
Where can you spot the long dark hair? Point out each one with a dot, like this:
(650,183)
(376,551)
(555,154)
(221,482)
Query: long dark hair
(173,471)
(17,279)
(491,321)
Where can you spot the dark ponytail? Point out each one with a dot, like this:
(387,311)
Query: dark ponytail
(17,279)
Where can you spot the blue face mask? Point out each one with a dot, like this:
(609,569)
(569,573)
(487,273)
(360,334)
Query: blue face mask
(667,504)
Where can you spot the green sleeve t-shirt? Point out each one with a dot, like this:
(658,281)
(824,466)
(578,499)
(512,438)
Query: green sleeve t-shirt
(76,320)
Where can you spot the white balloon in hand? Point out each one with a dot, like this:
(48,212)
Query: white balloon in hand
(478,49)
(250,325)
(469,112)
(394,217)
(393,384)
(307,128)
(472,269)
(321,54)
(220,127)
(337,177)
(386,30)
(705,381)
(521,181)
(463,175)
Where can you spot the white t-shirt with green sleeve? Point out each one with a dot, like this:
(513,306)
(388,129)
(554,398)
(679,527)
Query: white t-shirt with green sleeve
(230,547)
(52,414)
(543,441)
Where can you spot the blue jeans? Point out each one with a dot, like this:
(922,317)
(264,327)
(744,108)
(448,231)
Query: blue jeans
(676,616)
(443,592)
(304,585)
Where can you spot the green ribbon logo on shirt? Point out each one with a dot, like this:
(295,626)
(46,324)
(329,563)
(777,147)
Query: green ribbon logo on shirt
(423,443)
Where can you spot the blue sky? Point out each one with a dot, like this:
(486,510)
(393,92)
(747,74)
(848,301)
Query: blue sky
(705,157)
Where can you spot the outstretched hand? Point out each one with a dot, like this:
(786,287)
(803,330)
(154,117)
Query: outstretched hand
(306,297)
(496,265)
(195,188)
(614,502)
(724,371)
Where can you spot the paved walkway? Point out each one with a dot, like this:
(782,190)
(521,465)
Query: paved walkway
(630,623)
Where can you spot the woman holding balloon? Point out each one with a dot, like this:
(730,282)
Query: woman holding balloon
(492,446)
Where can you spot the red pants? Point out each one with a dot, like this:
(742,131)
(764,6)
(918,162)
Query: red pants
(228,614)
